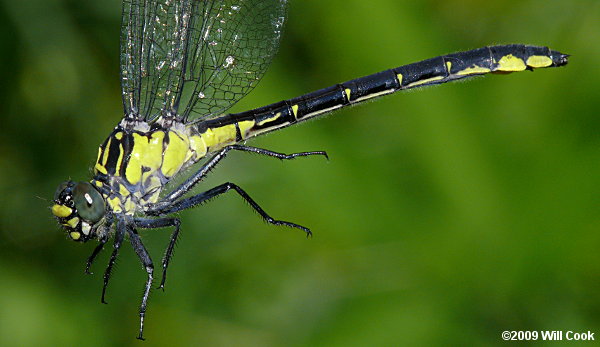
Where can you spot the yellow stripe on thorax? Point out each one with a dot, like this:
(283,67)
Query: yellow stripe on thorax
(174,154)
(147,152)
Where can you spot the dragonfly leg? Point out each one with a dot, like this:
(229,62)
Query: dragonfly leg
(95,253)
(142,253)
(119,235)
(221,189)
(160,223)
(212,163)
(103,238)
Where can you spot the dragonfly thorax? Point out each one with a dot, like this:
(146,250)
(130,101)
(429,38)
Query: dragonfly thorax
(138,159)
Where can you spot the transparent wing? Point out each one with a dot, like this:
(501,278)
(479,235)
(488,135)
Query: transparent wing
(195,58)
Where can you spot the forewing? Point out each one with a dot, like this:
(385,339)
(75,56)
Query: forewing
(195,58)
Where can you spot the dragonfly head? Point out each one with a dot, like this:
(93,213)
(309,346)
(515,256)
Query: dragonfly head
(79,208)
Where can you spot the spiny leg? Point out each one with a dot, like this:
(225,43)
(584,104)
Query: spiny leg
(214,160)
(161,223)
(142,253)
(221,189)
(95,253)
(103,239)
(119,235)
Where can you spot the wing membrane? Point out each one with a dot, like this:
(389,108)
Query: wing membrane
(195,58)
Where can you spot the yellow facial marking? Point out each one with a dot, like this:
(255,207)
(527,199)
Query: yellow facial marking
(75,235)
(175,153)
(537,61)
(73,222)
(61,211)
(347,91)
(473,70)
(115,204)
(295,110)
(399,78)
(245,127)
(511,63)
(86,228)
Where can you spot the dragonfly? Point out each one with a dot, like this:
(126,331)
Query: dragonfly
(183,64)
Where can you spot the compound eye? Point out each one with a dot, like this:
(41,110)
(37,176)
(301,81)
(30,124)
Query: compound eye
(60,189)
(88,202)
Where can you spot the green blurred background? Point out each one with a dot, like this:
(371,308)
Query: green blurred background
(445,215)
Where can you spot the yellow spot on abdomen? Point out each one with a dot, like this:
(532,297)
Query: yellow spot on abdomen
(510,63)
(267,120)
(399,78)
(473,70)
(219,137)
(425,81)
(245,127)
(295,110)
(347,91)
(537,61)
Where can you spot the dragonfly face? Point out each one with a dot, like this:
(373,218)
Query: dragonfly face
(79,209)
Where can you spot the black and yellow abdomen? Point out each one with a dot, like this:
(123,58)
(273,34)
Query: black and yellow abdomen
(138,159)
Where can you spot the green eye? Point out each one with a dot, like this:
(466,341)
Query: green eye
(88,201)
